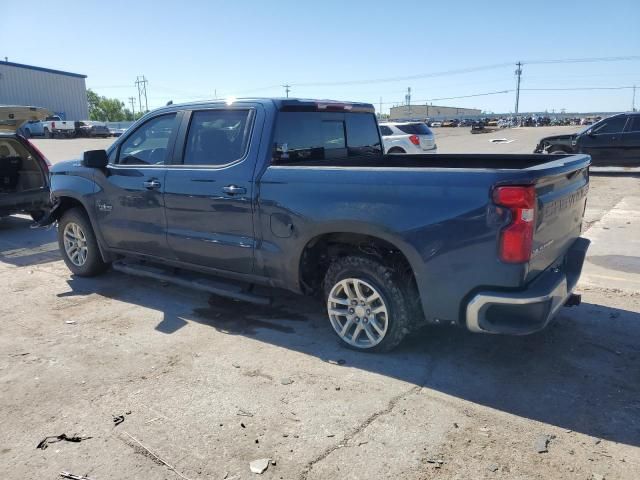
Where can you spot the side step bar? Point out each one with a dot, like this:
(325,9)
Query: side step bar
(189,280)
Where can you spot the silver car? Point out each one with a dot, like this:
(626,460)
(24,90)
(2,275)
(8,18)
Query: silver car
(408,137)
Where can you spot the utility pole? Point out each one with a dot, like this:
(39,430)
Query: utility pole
(633,100)
(518,75)
(407,98)
(132,101)
(141,83)
(287,89)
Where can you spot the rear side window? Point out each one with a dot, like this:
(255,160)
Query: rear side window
(217,137)
(310,136)
(414,129)
(385,131)
(611,125)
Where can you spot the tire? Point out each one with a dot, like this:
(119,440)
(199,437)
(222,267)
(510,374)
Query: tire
(74,229)
(558,152)
(396,150)
(376,332)
(47,133)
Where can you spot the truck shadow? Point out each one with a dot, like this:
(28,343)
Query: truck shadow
(22,246)
(581,373)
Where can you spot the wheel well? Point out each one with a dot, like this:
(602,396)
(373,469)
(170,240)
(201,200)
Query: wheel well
(396,149)
(322,250)
(67,203)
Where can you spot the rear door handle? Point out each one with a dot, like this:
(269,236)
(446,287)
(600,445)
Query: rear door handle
(234,190)
(151,184)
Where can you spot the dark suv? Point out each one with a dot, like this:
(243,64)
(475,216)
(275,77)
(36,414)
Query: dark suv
(613,141)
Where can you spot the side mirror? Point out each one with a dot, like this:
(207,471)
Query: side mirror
(95,159)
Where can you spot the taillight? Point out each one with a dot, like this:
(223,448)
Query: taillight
(414,139)
(40,154)
(516,239)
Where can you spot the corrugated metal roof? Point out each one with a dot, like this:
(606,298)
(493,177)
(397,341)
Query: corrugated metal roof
(42,69)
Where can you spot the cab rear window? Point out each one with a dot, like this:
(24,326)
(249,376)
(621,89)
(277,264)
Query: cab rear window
(313,136)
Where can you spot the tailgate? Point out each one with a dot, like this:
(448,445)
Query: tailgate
(561,201)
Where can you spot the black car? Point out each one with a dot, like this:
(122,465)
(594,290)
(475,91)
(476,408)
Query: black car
(87,128)
(613,141)
(24,171)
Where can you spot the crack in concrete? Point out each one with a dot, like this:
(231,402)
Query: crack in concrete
(393,402)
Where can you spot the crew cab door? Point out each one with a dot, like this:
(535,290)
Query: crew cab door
(604,141)
(631,142)
(209,190)
(130,205)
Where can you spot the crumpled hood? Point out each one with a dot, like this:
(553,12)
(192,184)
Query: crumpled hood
(12,117)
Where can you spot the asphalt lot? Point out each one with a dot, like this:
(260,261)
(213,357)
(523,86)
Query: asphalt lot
(208,385)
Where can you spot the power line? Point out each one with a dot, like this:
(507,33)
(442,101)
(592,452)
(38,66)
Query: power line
(409,77)
(583,60)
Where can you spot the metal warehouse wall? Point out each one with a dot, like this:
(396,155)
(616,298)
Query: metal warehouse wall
(61,93)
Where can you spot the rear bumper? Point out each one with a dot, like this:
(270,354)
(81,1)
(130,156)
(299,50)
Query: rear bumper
(526,311)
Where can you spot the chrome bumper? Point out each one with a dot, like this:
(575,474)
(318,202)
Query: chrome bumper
(527,311)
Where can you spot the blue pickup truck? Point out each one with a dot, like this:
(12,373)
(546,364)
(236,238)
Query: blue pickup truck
(299,195)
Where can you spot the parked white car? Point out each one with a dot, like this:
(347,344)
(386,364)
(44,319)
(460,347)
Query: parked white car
(407,137)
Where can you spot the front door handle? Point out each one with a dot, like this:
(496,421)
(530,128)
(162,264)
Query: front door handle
(234,190)
(151,184)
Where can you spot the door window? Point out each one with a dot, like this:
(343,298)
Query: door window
(385,131)
(217,137)
(148,145)
(611,125)
(635,124)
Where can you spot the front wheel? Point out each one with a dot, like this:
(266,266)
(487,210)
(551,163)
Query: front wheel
(78,244)
(367,306)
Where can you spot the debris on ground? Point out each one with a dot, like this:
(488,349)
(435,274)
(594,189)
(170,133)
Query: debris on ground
(72,476)
(235,365)
(117,420)
(273,462)
(155,456)
(244,413)
(493,467)
(286,381)
(70,322)
(541,443)
(44,443)
(597,476)
(337,362)
(260,465)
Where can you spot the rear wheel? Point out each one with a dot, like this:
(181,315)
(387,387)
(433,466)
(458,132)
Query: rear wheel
(78,244)
(368,308)
(47,133)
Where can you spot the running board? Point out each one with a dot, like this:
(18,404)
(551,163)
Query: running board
(190,280)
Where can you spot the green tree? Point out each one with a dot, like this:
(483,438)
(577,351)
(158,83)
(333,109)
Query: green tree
(108,109)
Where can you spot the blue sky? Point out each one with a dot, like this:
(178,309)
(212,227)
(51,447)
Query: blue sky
(190,50)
